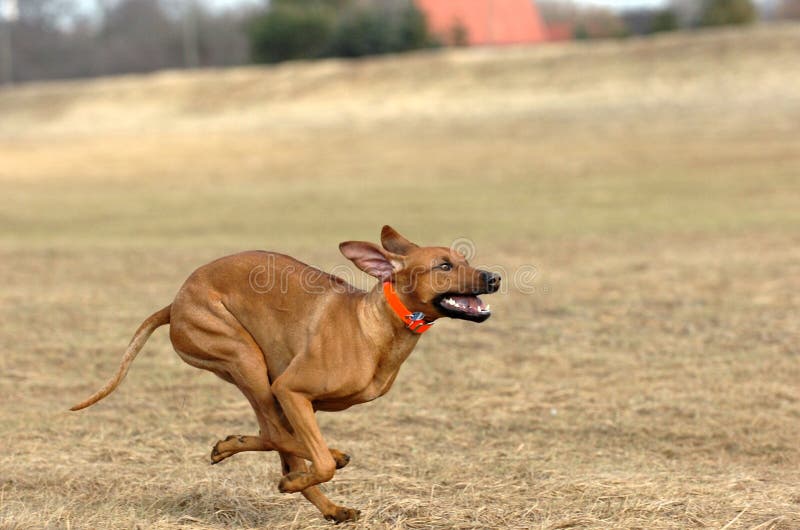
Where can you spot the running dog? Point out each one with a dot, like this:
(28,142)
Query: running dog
(296,340)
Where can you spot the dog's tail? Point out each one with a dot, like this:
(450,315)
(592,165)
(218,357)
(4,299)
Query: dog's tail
(157,319)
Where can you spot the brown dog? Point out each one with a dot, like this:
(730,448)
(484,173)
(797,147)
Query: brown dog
(296,340)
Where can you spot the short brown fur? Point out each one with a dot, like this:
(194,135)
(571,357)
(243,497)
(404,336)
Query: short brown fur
(295,340)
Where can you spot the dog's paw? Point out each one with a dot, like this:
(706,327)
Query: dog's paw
(222,449)
(342,459)
(342,515)
(216,455)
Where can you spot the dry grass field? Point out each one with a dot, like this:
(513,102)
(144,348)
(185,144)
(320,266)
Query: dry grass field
(651,379)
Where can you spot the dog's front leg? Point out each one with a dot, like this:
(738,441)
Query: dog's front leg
(330,511)
(300,413)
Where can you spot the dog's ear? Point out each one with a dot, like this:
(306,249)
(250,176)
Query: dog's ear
(394,242)
(372,259)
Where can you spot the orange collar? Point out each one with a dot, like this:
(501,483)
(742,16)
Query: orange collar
(414,321)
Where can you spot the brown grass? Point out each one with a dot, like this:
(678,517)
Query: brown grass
(651,381)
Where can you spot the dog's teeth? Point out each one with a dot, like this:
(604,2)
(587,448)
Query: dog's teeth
(488,307)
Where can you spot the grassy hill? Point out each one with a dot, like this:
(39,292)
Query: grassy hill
(640,370)
(689,106)
(593,81)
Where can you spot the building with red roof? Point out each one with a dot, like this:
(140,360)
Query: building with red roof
(484,22)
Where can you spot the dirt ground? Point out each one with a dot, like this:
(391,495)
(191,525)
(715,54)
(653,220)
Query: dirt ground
(641,368)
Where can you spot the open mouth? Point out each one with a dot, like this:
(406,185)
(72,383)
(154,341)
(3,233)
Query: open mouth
(464,306)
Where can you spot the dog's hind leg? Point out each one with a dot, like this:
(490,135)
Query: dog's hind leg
(215,340)
(314,495)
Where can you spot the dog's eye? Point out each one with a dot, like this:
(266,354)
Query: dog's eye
(445,266)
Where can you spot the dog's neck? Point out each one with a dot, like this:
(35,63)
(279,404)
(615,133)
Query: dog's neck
(382,325)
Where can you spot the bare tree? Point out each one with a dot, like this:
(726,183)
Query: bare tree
(9,12)
(191,44)
(79,38)
(554,11)
(687,11)
(788,9)
(138,36)
(586,21)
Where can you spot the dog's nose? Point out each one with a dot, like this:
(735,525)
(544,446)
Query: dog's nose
(491,280)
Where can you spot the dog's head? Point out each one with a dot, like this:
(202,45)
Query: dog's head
(436,281)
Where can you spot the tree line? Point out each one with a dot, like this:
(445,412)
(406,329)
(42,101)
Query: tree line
(597,22)
(49,39)
(52,39)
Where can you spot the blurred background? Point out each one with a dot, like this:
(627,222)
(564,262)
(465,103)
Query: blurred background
(52,39)
(632,166)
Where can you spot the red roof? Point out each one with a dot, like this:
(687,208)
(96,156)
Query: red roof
(485,21)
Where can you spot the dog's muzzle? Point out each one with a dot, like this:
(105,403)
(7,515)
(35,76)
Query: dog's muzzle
(468,306)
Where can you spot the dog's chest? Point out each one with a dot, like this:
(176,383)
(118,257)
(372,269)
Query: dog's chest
(372,384)
(362,393)
(387,367)
(379,385)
